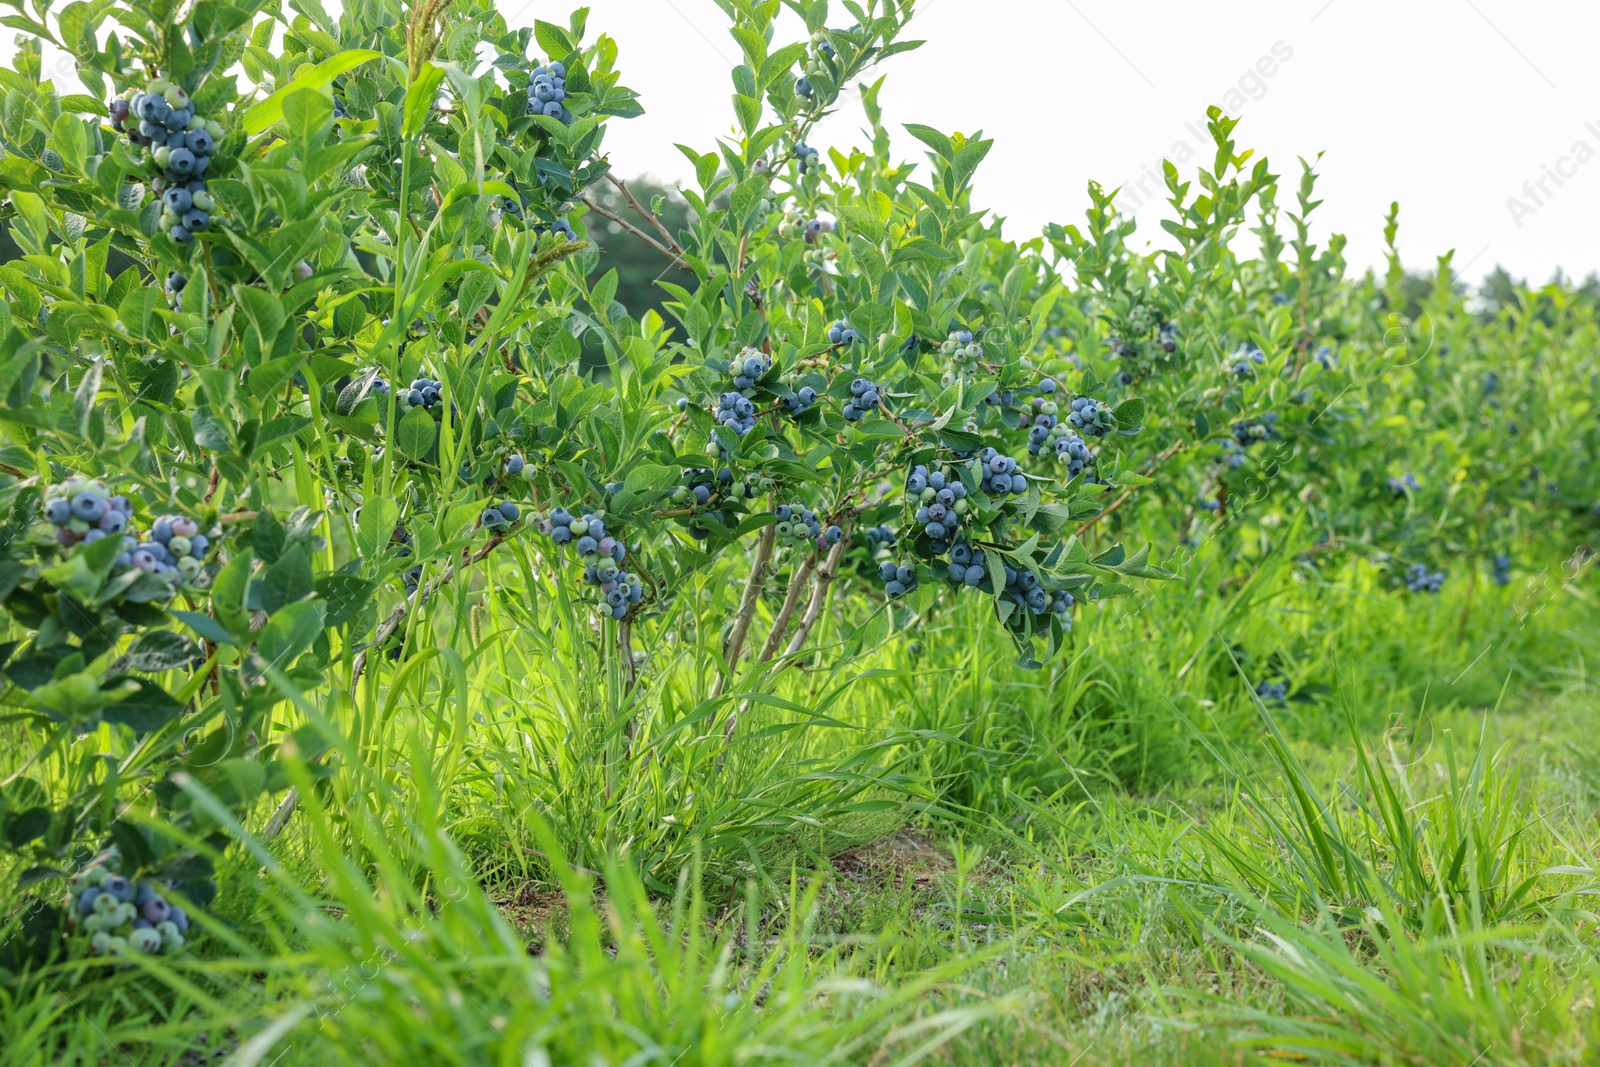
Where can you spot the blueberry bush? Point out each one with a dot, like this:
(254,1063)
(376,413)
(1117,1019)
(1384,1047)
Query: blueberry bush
(292,359)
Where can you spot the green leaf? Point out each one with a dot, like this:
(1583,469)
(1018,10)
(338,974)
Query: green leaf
(205,626)
(942,145)
(1130,413)
(228,594)
(343,596)
(376,526)
(137,310)
(643,479)
(265,379)
(555,41)
(420,96)
(1138,566)
(269,112)
(416,433)
(871,319)
(210,432)
(149,708)
(286,581)
(161,650)
(920,250)
(71,142)
(290,632)
(306,111)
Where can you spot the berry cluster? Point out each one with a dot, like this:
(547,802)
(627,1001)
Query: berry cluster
(842,333)
(1406,483)
(424,393)
(174,288)
(965,356)
(619,590)
(1090,417)
(411,577)
(807,157)
(1001,398)
(1071,451)
(899,579)
(1420,580)
(558,226)
(879,536)
(516,466)
(1028,591)
(942,499)
(794,224)
(1000,474)
(696,485)
(162,118)
(1324,358)
(499,516)
(82,509)
(1141,320)
(1274,693)
(1246,360)
(863,398)
(176,547)
(737,412)
(547,91)
(585,532)
(798,525)
(966,565)
(749,367)
(1249,432)
(799,400)
(1502,570)
(123,916)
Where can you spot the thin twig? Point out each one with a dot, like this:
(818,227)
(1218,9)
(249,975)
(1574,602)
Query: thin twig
(1165,454)
(654,220)
(676,257)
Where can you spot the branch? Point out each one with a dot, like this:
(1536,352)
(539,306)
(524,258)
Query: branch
(747,606)
(819,594)
(654,220)
(675,256)
(791,601)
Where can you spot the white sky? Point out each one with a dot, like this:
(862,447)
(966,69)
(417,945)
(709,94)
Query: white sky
(1447,106)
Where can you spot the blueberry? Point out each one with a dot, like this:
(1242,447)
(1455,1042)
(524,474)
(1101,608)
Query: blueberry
(151,108)
(88,507)
(177,201)
(196,220)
